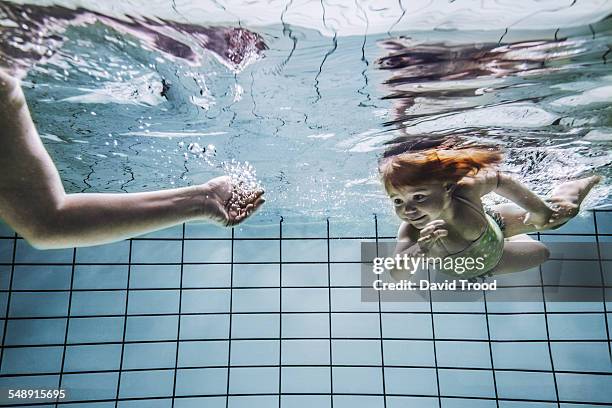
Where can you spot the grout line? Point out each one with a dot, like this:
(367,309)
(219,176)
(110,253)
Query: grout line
(125,318)
(347,237)
(380,325)
(329,300)
(8,301)
(178,330)
(491,350)
(603,286)
(550,354)
(61,376)
(365,312)
(152,289)
(465,340)
(229,335)
(433,336)
(237,263)
(460,397)
(280,309)
(460,368)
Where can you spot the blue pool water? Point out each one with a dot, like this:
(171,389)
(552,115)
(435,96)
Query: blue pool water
(310,109)
(270,313)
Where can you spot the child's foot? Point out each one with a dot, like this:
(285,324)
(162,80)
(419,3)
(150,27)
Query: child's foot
(566,199)
(574,191)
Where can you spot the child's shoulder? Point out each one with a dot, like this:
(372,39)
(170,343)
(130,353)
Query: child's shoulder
(476,186)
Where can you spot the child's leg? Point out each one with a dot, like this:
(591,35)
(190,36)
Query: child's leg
(513,217)
(521,253)
(566,199)
(574,191)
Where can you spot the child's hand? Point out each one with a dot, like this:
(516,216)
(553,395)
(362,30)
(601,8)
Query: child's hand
(432,231)
(538,219)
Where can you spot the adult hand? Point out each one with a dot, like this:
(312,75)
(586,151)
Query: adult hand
(227,204)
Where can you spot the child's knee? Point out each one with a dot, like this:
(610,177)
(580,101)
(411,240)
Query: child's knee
(543,253)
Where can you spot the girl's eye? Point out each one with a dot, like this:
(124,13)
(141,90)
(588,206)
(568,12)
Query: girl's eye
(397,201)
(419,197)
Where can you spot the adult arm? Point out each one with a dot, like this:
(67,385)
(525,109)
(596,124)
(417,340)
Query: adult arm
(34,203)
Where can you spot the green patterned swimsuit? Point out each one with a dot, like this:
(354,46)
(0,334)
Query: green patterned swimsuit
(489,245)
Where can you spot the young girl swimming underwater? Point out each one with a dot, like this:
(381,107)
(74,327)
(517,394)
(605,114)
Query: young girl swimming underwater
(436,188)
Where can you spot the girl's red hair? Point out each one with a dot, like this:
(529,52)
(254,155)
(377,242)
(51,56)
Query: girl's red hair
(447,162)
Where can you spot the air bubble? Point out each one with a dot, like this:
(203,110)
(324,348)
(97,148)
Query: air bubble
(195,148)
(243,176)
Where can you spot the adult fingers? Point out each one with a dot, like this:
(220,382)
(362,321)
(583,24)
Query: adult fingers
(237,215)
(258,193)
(253,207)
(243,216)
(259,202)
(253,196)
(256,206)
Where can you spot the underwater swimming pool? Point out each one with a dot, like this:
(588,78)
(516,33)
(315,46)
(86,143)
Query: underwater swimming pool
(199,316)
(269,313)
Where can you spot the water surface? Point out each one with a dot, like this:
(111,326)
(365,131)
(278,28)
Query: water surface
(309,93)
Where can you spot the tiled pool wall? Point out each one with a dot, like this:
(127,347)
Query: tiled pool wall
(265,316)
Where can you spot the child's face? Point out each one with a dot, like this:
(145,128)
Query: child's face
(419,204)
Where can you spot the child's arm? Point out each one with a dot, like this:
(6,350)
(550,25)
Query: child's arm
(406,244)
(537,212)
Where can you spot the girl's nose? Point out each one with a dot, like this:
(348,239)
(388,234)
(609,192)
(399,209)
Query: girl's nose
(409,209)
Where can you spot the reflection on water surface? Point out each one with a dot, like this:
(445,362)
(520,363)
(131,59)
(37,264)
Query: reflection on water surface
(114,95)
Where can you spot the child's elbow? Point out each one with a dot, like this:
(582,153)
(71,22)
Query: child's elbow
(543,254)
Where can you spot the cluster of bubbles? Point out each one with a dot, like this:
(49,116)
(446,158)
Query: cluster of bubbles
(205,153)
(242,175)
